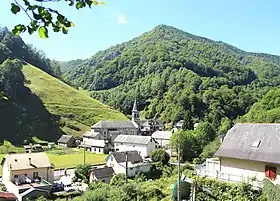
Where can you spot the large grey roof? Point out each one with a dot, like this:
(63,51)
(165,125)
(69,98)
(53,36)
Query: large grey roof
(103,172)
(162,135)
(64,138)
(240,138)
(133,139)
(114,124)
(132,156)
(90,134)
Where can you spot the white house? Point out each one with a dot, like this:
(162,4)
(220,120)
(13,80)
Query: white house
(162,138)
(135,164)
(250,151)
(95,142)
(144,145)
(27,175)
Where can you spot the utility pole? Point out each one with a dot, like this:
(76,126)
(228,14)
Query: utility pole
(126,164)
(179,169)
(84,153)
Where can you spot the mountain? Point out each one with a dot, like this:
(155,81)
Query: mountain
(170,72)
(35,103)
(267,110)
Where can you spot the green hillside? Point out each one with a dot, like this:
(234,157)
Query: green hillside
(77,111)
(267,110)
(171,72)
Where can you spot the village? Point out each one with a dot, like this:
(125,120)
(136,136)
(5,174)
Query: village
(248,153)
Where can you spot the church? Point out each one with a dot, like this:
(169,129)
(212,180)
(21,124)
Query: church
(110,129)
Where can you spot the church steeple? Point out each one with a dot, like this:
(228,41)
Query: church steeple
(135,112)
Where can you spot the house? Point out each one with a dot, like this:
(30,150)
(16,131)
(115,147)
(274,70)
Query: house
(4,196)
(101,174)
(22,172)
(249,151)
(66,141)
(110,129)
(162,138)
(144,145)
(129,161)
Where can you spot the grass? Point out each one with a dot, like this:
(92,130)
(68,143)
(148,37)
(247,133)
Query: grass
(76,109)
(70,158)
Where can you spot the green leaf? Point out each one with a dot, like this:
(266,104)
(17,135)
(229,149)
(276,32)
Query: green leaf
(18,29)
(33,23)
(30,30)
(80,5)
(26,2)
(36,16)
(43,32)
(33,7)
(60,18)
(64,30)
(15,8)
(71,3)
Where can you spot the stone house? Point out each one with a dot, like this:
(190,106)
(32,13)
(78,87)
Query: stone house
(28,174)
(66,141)
(162,138)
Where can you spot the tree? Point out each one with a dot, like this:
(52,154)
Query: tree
(42,17)
(118,180)
(160,155)
(82,172)
(188,123)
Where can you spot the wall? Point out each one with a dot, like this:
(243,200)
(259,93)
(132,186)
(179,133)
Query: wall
(97,150)
(105,179)
(125,131)
(162,142)
(45,173)
(246,168)
(63,145)
(143,150)
(6,173)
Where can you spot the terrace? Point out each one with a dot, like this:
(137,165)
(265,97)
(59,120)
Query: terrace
(23,185)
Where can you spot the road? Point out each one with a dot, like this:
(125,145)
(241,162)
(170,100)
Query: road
(70,171)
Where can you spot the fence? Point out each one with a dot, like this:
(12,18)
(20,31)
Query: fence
(202,171)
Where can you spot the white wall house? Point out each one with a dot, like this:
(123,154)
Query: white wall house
(103,174)
(249,151)
(27,174)
(163,138)
(135,163)
(144,145)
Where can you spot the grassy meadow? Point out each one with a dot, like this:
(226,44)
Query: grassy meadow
(76,109)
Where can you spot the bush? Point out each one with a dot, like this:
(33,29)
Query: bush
(160,155)
(82,172)
(118,180)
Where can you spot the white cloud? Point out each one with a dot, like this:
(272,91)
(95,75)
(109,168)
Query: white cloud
(121,19)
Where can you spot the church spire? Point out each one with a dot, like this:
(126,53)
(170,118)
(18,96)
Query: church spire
(135,112)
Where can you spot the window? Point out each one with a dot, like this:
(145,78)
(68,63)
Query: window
(131,168)
(270,172)
(99,150)
(133,145)
(103,180)
(256,144)
(121,143)
(117,149)
(35,175)
(16,176)
(132,132)
(94,149)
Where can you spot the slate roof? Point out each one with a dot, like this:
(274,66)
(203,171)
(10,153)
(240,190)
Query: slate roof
(132,156)
(21,161)
(64,139)
(114,124)
(97,143)
(90,134)
(162,135)
(240,140)
(103,172)
(133,139)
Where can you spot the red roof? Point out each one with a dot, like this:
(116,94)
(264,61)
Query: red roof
(8,196)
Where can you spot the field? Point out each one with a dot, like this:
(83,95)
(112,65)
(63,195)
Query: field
(70,158)
(76,110)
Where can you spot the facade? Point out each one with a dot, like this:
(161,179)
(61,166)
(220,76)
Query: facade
(135,163)
(250,151)
(95,143)
(104,174)
(144,145)
(66,141)
(22,172)
(162,138)
(110,129)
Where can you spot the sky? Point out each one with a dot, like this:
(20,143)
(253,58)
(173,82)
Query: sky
(251,25)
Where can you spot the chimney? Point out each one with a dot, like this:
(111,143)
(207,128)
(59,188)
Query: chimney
(29,161)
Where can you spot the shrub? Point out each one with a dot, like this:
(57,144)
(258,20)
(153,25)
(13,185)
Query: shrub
(160,155)
(82,172)
(118,180)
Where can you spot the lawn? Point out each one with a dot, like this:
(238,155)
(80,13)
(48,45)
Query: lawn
(63,159)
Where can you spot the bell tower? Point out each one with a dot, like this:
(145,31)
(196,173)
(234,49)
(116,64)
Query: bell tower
(135,112)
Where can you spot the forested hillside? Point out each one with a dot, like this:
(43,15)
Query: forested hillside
(170,72)
(267,110)
(33,103)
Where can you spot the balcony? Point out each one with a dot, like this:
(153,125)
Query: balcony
(39,183)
